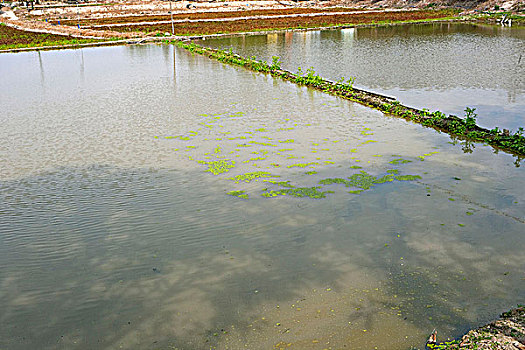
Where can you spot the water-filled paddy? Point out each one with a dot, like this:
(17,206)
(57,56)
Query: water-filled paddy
(125,223)
(441,66)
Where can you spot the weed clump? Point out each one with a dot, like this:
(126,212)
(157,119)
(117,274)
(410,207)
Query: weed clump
(239,194)
(217,167)
(312,192)
(247,177)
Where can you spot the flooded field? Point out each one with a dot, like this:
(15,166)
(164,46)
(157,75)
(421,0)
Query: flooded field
(157,200)
(442,66)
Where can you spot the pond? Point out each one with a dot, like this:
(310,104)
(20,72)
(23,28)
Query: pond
(154,199)
(440,66)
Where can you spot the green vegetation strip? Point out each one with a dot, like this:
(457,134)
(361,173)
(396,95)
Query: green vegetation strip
(463,128)
(12,38)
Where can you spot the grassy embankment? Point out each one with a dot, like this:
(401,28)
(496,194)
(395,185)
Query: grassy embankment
(465,129)
(11,38)
(495,18)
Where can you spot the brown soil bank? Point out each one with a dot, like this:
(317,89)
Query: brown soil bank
(248,25)
(507,333)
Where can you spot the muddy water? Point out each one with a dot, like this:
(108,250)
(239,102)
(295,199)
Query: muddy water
(444,67)
(119,227)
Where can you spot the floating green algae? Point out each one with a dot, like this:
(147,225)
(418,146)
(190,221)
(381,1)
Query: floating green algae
(427,155)
(336,180)
(367,141)
(301,165)
(240,194)
(365,181)
(217,167)
(392,171)
(287,141)
(313,172)
(254,159)
(312,192)
(362,180)
(262,143)
(247,177)
(399,161)
(280,183)
(356,167)
(355,191)
(407,177)
(183,138)
(384,179)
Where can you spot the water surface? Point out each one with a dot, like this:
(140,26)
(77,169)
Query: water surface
(441,66)
(113,234)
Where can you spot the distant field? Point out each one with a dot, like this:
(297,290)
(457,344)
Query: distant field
(11,38)
(246,25)
(203,15)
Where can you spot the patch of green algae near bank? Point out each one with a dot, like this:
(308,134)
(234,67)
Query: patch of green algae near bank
(274,164)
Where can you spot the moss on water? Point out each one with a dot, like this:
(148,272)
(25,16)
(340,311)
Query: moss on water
(399,161)
(247,177)
(301,165)
(362,180)
(217,167)
(408,177)
(331,181)
(254,159)
(365,181)
(239,194)
(311,192)
(281,183)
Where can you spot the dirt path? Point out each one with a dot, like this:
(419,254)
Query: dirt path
(44,27)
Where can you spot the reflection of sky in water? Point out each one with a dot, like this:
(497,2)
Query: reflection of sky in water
(113,235)
(437,66)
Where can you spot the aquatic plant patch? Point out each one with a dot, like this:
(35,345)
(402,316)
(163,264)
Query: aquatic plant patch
(247,177)
(365,181)
(217,167)
(239,194)
(311,192)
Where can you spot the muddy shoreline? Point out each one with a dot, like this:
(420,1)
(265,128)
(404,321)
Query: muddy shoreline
(506,333)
